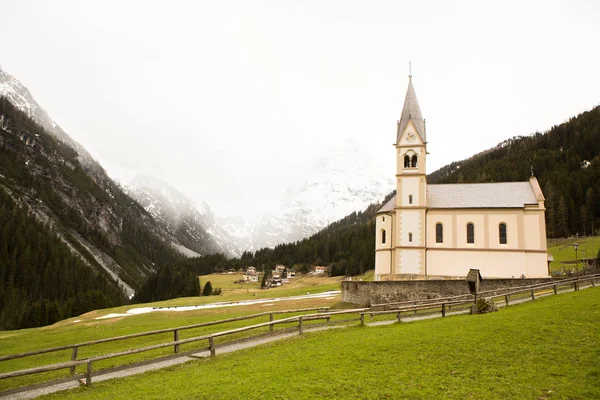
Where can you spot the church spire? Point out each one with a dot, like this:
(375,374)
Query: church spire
(411,112)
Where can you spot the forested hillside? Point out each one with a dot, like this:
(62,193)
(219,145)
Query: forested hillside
(566,162)
(41,281)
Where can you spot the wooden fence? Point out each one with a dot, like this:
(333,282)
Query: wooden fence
(442,305)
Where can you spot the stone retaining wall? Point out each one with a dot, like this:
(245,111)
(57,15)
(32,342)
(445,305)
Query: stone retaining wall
(366,293)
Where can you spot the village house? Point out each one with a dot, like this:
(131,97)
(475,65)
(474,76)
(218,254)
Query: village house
(250,275)
(319,270)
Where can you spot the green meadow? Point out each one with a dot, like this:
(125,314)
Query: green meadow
(545,349)
(564,254)
(87,328)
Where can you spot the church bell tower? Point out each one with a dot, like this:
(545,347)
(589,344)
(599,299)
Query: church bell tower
(411,189)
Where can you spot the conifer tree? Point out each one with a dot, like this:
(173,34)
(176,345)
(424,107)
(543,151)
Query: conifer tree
(589,205)
(207,289)
(563,217)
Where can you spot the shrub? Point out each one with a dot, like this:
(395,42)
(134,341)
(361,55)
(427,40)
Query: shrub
(485,306)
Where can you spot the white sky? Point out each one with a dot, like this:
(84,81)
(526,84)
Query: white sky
(229,101)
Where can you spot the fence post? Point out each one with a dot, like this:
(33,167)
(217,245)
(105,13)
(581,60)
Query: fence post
(506,299)
(399,318)
(577,285)
(592,280)
(443,310)
(532,294)
(176,339)
(271,320)
(300,324)
(555,290)
(362,318)
(415,307)
(73,358)
(211,344)
(88,373)
(329,318)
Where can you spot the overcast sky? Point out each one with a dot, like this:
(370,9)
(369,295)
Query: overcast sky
(229,101)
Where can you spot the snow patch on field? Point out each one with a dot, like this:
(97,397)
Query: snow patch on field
(144,310)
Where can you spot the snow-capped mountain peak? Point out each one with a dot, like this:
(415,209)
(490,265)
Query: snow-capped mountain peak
(343,181)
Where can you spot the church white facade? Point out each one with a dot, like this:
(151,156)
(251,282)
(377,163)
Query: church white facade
(445,230)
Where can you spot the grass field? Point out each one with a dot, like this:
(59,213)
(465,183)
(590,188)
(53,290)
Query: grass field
(562,250)
(88,328)
(547,349)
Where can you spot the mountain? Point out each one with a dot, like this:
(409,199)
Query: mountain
(53,179)
(342,182)
(193,225)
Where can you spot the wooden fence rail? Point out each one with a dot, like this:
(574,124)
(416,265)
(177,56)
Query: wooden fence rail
(416,302)
(89,361)
(175,331)
(575,282)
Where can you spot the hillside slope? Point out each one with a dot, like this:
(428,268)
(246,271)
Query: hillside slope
(41,280)
(102,225)
(193,225)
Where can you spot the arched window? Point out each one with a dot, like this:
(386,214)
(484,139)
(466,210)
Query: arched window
(383,236)
(410,199)
(406,161)
(470,233)
(413,162)
(410,236)
(439,233)
(502,233)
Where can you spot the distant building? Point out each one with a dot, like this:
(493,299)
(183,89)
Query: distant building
(279,268)
(320,270)
(275,281)
(445,230)
(250,275)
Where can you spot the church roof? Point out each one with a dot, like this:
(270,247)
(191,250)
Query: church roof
(476,195)
(389,205)
(411,112)
(481,195)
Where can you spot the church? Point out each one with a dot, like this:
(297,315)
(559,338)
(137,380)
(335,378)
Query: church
(442,231)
